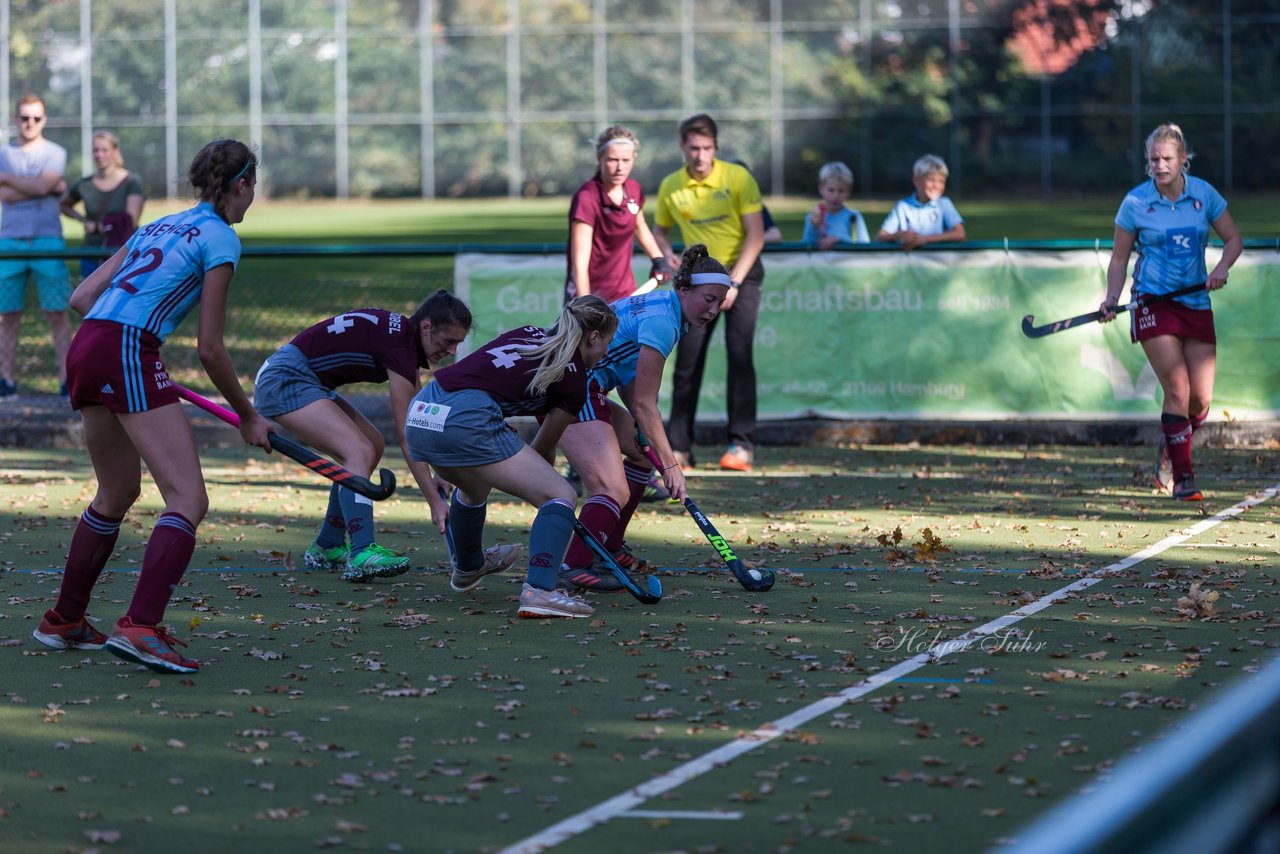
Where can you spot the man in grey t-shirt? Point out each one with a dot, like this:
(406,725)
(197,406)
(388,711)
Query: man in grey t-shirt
(31,169)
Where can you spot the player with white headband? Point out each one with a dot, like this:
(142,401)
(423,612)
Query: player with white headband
(601,443)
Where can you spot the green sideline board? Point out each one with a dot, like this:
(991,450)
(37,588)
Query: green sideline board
(934,334)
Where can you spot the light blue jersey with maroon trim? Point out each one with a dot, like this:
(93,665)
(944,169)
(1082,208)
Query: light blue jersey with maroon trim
(652,320)
(162,275)
(1171,237)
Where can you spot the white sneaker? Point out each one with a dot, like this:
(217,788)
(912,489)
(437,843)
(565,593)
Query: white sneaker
(536,603)
(496,559)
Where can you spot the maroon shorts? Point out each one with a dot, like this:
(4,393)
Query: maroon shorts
(597,406)
(118,367)
(1172,318)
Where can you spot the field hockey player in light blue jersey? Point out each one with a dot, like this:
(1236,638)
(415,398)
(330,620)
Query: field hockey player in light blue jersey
(1168,219)
(131,410)
(649,325)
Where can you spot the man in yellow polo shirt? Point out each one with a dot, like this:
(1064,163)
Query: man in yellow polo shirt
(716,203)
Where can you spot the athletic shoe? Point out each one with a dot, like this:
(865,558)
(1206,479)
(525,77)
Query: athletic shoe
(373,561)
(56,633)
(737,458)
(8,388)
(1185,489)
(326,560)
(575,479)
(151,646)
(496,559)
(630,561)
(1162,474)
(536,603)
(586,578)
(684,459)
(654,490)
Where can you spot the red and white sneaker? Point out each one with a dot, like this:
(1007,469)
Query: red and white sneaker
(1185,489)
(56,633)
(150,646)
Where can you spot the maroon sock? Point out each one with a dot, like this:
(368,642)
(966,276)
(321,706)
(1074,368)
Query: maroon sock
(173,541)
(637,479)
(1177,438)
(1197,421)
(599,516)
(91,546)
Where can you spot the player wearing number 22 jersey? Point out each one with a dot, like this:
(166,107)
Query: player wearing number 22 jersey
(158,283)
(130,410)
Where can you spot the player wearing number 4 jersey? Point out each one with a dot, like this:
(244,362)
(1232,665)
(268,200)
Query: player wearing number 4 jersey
(1168,220)
(131,411)
(457,424)
(296,387)
(601,443)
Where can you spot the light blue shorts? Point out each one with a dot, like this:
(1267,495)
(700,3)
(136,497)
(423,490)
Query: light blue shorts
(53,278)
(286,383)
(458,429)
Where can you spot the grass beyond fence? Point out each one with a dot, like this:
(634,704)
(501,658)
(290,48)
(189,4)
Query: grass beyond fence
(284,295)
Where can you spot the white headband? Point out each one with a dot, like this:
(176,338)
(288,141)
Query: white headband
(602,147)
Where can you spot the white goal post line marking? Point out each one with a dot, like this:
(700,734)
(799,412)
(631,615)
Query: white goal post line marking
(626,802)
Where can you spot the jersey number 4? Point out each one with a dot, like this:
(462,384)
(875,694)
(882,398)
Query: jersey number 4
(343,322)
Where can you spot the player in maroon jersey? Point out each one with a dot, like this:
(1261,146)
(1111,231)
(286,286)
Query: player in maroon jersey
(296,387)
(457,424)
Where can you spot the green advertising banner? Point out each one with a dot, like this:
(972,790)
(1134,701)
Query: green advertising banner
(936,334)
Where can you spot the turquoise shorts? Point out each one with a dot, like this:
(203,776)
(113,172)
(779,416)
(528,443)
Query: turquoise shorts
(53,280)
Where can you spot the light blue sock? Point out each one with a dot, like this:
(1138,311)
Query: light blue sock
(548,539)
(465,533)
(333,532)
(358,511)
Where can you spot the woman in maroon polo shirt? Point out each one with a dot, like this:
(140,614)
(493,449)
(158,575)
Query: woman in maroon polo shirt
(606,216)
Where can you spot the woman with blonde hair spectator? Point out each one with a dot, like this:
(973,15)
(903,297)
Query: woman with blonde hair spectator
(112,197)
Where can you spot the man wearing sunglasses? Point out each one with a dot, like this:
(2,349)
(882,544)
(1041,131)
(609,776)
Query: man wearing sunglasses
(31,169)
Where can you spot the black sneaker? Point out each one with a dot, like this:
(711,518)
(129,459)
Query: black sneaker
(8,389)
(575,479)
(1185,489)
(1162,474)
(586,578)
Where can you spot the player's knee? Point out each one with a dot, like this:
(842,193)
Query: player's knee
(564,494)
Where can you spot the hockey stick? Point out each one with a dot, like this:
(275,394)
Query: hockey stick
(755,580)
(1030,330)
(648,597)
(310,459)
(646,287)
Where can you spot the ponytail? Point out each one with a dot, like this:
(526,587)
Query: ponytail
(578,318)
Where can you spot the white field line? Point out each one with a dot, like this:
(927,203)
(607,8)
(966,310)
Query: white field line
(706,815)
(583,821)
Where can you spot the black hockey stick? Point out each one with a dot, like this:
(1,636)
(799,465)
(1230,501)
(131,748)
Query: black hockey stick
(648,597)
(299,453)
(1030,330)
(755,580)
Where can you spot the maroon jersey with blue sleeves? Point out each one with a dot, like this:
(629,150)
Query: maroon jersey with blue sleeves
(498,370)
(362,346)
